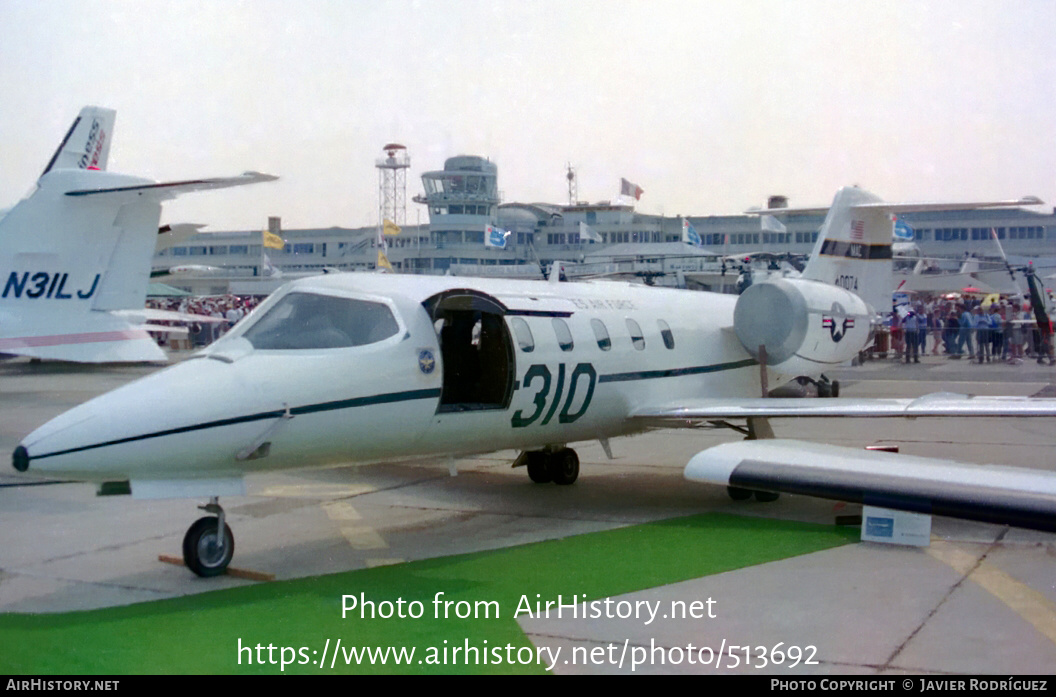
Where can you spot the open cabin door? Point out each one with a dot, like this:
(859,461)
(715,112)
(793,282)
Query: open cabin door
(476,350)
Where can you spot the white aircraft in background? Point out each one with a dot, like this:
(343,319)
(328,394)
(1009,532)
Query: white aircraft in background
(75,254)
(357,368)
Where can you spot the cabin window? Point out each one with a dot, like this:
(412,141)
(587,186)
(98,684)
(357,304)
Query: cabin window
(665,333)
(637,338)
(313,321)
(523,334)
(601,334)
(564,336)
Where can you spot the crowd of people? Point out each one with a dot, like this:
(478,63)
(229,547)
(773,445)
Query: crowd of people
(999,330)
(226,310)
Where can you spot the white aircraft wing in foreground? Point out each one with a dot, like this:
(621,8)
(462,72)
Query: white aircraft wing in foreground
(987,493)
(357,368)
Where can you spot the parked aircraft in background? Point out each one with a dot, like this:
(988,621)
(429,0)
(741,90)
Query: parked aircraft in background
(356,368)
(75,253)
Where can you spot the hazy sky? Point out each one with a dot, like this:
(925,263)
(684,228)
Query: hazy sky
(708,106)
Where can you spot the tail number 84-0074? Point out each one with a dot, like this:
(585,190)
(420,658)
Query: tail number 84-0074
(540,376)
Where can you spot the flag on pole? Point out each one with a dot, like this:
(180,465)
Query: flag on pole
(629,189)
(772,224)
(269,268)
(495,237)
(586,232)
(689,234)
(383,261)
(903,231)
(274,241)
(390,228)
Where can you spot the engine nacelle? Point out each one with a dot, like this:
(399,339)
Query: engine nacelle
(805,326)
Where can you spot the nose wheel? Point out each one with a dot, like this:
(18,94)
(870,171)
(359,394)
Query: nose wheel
(209,545)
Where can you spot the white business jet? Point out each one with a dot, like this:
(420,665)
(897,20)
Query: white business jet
(356,368)
(75,254)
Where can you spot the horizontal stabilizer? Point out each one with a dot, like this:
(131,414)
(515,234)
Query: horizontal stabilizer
(931,207)
(1015,496)
(938,404)
(169,190)
(922,207)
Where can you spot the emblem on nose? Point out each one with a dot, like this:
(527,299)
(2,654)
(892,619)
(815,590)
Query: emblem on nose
(426,361)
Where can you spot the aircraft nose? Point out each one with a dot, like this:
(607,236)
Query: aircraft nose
(138,429)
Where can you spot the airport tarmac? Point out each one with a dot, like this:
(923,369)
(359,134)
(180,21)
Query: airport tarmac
(980,599)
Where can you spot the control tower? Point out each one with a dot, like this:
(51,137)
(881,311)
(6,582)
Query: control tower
(392,184)
(463,195)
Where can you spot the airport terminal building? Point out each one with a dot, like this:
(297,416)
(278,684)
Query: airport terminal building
(463,199)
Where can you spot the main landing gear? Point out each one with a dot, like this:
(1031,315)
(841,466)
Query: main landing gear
(207,551)
(560,466)
(797,388)
(738,494)
(758,429)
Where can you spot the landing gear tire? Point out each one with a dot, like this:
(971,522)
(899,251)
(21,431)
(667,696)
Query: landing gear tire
(564,466)
(766,496)
(201,552)
(828,388)
(539,467)
(738,494)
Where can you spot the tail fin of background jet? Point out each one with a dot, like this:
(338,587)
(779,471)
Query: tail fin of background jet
(87,143)
(75,256)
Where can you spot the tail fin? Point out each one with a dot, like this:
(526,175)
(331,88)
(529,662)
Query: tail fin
(76,253)
(853,250)
(87,143)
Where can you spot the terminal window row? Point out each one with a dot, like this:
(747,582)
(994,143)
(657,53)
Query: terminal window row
(947,234)
(717,239)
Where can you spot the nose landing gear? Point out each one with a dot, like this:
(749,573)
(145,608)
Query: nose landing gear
(206,550)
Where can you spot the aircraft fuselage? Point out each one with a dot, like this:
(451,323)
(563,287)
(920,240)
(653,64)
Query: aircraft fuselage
(467,367)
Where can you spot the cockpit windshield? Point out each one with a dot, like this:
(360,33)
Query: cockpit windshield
(313,321)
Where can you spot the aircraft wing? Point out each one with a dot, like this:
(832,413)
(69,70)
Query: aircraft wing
(169,190)
(182,331)
(987,493)
(151,315)
(938,404)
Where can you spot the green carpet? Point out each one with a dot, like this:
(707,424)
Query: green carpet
(202,633)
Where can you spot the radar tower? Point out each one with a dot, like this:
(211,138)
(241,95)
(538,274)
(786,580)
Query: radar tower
(392,184)
(572,193)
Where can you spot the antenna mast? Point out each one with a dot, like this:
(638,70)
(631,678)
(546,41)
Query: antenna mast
(573,195)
